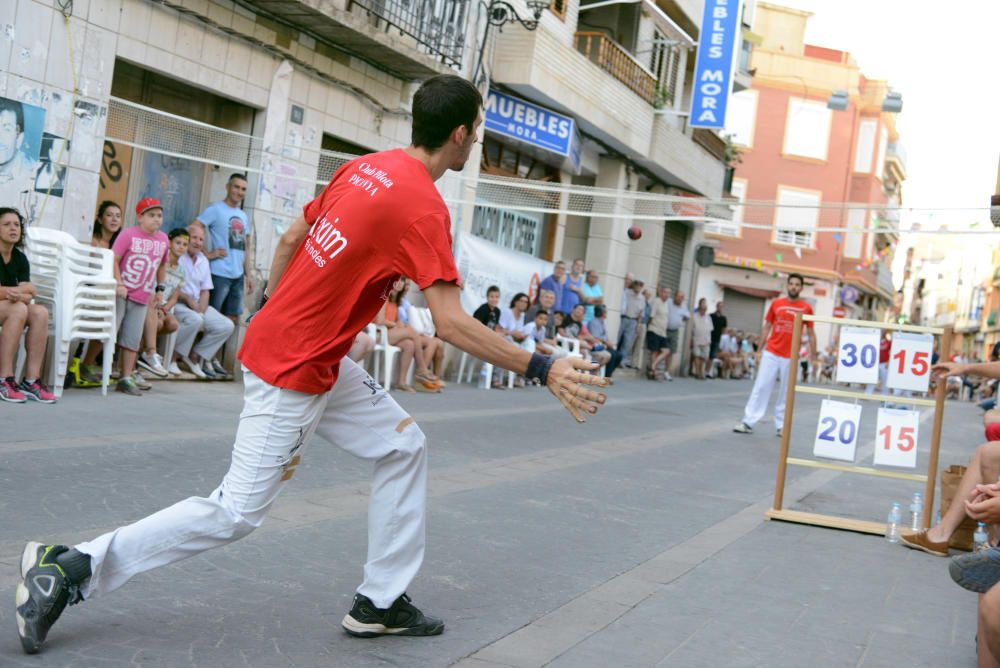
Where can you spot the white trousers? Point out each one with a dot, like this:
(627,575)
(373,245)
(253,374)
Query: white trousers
(275,428)
(772,368)
(217,328)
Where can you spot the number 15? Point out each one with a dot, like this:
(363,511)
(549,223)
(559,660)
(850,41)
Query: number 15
(919,367)
(904,440)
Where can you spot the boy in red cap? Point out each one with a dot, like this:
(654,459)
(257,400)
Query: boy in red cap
(140,258)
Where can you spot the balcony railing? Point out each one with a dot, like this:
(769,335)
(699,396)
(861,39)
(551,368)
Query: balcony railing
(619,63)
(896,150)
(438,26)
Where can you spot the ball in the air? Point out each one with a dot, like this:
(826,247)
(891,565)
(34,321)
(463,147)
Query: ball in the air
(634,232)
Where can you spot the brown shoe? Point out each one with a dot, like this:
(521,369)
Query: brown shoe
(918,540)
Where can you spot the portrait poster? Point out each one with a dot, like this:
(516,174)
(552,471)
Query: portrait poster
(21,128)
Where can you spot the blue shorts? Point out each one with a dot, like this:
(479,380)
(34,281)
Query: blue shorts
(227,295)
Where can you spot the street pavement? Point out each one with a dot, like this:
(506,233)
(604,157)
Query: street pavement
(637,539)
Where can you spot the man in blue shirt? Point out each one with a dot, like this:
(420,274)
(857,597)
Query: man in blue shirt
(574,287)
(556,283)
(229,228)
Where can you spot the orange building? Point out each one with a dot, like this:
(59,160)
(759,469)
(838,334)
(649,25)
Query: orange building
(805,167)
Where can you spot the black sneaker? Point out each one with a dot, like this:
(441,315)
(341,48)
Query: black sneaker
(42,594)
(401,618)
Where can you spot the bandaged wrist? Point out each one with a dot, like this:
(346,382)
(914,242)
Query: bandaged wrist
(538,368)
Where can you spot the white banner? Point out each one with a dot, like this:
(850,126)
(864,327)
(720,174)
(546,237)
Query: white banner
(482,263)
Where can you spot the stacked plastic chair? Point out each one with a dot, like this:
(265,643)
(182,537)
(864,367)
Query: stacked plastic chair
(78,283)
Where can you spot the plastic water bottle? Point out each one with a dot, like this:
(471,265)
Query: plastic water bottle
(892,523)
(484,378)
(916,510)
(981,539)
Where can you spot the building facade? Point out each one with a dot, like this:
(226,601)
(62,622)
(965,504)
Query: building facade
(803,167)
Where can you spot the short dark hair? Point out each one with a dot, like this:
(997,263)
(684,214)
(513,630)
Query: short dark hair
(178,232)
(598,311)
(234,176)
(16,108)
(798,276)
(519,296)
(491,290)
(4,210)
(541,311)
(441,104)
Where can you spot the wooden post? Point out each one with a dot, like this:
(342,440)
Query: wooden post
(786,427)
(932,463)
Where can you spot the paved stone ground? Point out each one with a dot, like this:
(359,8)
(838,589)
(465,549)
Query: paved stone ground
(636,540)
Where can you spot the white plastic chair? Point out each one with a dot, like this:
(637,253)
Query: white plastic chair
(78,281)
(385,355)
(571,345)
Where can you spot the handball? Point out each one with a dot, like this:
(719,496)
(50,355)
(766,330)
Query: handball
(634,232)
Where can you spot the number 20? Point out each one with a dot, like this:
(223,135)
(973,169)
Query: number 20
(847,430)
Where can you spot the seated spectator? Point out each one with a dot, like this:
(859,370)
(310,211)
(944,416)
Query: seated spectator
(432,347)
(18,313)
(546,302)
(599,331)
(140,256)
(194,314)
(362,346)
(159,315)
(828,363)
(407,340)
(489,313)
(573,328)
(107,225)
(512,324)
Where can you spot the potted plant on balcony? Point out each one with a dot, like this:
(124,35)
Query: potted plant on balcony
(662,97)
(732,157)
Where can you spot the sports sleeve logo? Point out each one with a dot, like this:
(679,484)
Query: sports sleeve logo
(325,241)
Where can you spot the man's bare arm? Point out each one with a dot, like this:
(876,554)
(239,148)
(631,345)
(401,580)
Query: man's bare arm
(287,245)
(566,379)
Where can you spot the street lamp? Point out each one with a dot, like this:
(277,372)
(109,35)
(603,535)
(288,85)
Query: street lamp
(893,102)
(498,14)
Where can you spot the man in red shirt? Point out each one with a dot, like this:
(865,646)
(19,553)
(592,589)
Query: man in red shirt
(380,218)
(773,361)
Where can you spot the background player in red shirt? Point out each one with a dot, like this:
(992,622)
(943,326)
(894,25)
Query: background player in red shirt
(380,218)
(773,361)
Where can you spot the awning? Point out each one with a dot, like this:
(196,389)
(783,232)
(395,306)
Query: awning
(751,292)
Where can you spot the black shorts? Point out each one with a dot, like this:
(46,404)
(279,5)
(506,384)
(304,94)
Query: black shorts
(654,342)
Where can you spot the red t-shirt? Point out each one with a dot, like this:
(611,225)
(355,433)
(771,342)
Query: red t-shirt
(884,348)
(379,218)
(781,315)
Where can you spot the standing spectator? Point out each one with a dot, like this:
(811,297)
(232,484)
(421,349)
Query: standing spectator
(590,295)
(640,330)
(598,329)
(629,277)
(656,331)
(701,338)
(512,324)
(194,313)
(719,325)
(140,254)
(677,315)
(574,287)
(229,229)
(17,313)
(633,309)
(107,225)
(556,283)
(489,313)
(773,364)
(804,357)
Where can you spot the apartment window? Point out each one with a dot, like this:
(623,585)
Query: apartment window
(731,228)
(558,7)
(883,144)
(796,217)
(866,146)
(855,235)
(741,117)
(807,129)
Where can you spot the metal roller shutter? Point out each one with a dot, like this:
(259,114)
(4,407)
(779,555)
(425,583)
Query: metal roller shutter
(743,311)
(675,236)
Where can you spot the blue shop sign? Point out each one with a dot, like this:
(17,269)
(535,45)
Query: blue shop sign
(529,123)
(713,70)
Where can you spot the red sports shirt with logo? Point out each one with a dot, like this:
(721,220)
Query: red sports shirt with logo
(781,315)
(379,218)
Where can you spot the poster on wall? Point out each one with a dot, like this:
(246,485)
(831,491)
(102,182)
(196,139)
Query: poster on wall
(177,183)
(116,165)
(50,177)
(482,263)
(21,127)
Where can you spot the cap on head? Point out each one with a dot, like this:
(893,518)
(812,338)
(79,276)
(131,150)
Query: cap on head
(146,204)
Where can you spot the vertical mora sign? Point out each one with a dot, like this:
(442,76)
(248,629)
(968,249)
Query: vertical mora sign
(713,70)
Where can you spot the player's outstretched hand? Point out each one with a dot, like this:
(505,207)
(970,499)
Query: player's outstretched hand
(568,381)
(947,369)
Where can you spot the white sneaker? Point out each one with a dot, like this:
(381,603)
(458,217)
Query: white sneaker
(743,428)
(173,369)
(153,363)
(193,367)
(668,376)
